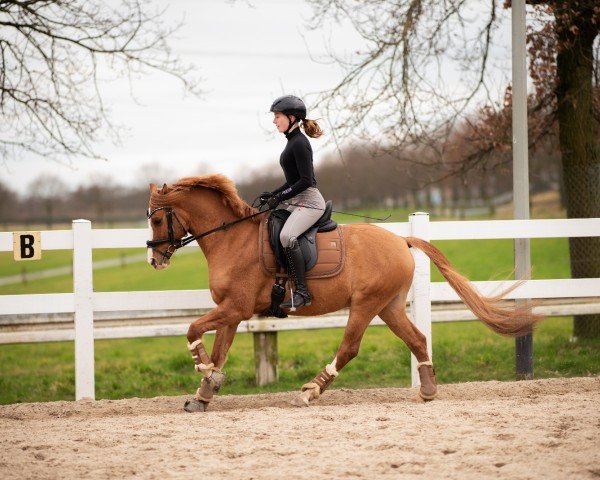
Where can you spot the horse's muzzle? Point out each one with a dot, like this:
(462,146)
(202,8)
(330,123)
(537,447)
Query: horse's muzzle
(158,266)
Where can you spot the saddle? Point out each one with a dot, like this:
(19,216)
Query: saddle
(322,245)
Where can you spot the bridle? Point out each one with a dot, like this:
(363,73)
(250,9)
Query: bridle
(176,243)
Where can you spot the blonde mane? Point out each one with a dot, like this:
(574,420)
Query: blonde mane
(217,182)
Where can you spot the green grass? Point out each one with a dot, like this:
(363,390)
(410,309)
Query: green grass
(57,258)
(150,367)
(50,259)
(493,259)
(395,215)
(188,271)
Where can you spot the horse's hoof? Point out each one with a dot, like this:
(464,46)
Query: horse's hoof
(299,402)
(195,405)
(427,396)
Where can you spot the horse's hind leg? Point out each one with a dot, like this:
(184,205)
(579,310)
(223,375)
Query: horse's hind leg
(361,315)
(394,315)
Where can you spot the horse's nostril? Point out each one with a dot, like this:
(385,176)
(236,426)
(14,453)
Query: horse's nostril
(153,262)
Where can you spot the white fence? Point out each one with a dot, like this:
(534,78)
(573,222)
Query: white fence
(84,303)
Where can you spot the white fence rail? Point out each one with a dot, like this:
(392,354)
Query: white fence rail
(84,302)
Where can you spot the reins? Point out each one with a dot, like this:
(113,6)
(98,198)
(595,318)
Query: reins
(225,226)
(175,244)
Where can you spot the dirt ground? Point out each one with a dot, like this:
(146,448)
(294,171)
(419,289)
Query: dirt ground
(542,429)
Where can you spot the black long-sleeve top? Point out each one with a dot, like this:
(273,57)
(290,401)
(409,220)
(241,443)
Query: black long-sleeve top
(297,163)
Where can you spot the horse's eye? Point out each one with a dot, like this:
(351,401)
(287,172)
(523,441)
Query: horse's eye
(157,221)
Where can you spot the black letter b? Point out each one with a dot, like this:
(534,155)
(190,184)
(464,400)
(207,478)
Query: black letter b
(27,246)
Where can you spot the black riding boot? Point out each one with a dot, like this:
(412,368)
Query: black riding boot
(297,272)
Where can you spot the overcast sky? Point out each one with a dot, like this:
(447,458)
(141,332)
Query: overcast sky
(246,55)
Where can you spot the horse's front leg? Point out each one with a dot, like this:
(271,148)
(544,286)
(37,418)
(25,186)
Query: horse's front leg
(225,320)
(223,340)
(211,383)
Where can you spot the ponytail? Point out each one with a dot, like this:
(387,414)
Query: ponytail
(312,128)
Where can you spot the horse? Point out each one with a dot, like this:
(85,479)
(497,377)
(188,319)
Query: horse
(374,281)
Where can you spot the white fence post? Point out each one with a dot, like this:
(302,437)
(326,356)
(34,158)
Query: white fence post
(420,303)
(84,309)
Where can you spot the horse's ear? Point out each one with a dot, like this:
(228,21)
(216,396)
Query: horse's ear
(164,188)
(152,188)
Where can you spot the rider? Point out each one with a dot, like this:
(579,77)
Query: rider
(299,193)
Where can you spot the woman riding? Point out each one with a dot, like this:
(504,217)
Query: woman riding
(299,194)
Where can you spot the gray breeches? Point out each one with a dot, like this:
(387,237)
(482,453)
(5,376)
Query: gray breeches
(302,218)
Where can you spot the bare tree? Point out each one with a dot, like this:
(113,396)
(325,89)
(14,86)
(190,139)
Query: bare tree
(396,89)
(53,55)
(8,203)
(49,190)
(154,172)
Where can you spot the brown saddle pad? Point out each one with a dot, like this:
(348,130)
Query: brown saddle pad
(330,248)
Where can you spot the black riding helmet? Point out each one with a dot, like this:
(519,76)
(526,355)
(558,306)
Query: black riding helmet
(290,105)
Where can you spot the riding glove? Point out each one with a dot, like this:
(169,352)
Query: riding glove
(263,198)
(273,202)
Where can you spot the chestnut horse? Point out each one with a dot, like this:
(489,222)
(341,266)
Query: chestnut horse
(374,281)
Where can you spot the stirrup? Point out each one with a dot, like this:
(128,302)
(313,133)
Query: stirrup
(305,301)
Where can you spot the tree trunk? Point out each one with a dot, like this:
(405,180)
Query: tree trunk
(581,169)
(49,209)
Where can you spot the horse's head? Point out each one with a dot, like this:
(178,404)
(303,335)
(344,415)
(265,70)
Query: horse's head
(167,228)
(174,212)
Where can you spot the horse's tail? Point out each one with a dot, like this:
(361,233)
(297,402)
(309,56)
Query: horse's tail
(512,321)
